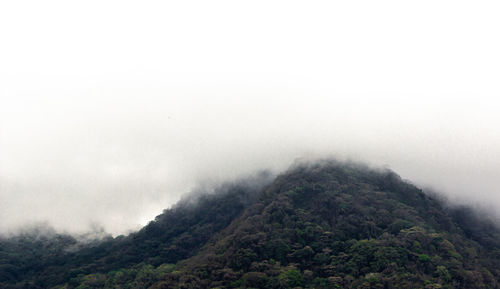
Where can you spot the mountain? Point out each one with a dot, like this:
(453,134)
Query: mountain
(41,258)
(321,225)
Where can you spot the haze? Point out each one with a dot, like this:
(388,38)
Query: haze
(110,111)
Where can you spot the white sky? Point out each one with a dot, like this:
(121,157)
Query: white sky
(110,110)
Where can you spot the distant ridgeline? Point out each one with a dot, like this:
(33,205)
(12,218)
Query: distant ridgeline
(322,225)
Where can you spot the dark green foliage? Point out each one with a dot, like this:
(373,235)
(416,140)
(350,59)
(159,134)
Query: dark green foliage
(47,259)
(291,278)
(327,225)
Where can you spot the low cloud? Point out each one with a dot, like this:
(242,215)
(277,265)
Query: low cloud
(121,168)
(110,121)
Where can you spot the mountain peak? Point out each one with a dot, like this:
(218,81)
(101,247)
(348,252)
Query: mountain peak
(325,224)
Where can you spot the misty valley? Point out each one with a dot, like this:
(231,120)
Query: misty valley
(326,224)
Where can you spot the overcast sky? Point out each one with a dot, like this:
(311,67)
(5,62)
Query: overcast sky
(111,110)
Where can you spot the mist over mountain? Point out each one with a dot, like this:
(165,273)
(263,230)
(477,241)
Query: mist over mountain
(182,144)
(326,224)
(108,122)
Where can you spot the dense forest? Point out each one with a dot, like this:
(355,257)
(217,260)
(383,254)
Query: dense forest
(321,225)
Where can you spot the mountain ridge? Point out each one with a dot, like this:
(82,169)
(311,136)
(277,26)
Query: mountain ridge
(327,224)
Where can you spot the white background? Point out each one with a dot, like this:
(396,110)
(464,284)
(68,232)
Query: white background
(111,110)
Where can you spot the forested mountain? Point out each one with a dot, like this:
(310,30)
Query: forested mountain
(322,225)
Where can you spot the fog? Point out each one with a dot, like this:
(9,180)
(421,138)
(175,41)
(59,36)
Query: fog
(110,111)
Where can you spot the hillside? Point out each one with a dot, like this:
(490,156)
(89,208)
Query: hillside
(326,225)
(40,258)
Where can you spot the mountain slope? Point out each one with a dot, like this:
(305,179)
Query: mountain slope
(346,226)
(325,225)
(42,260)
